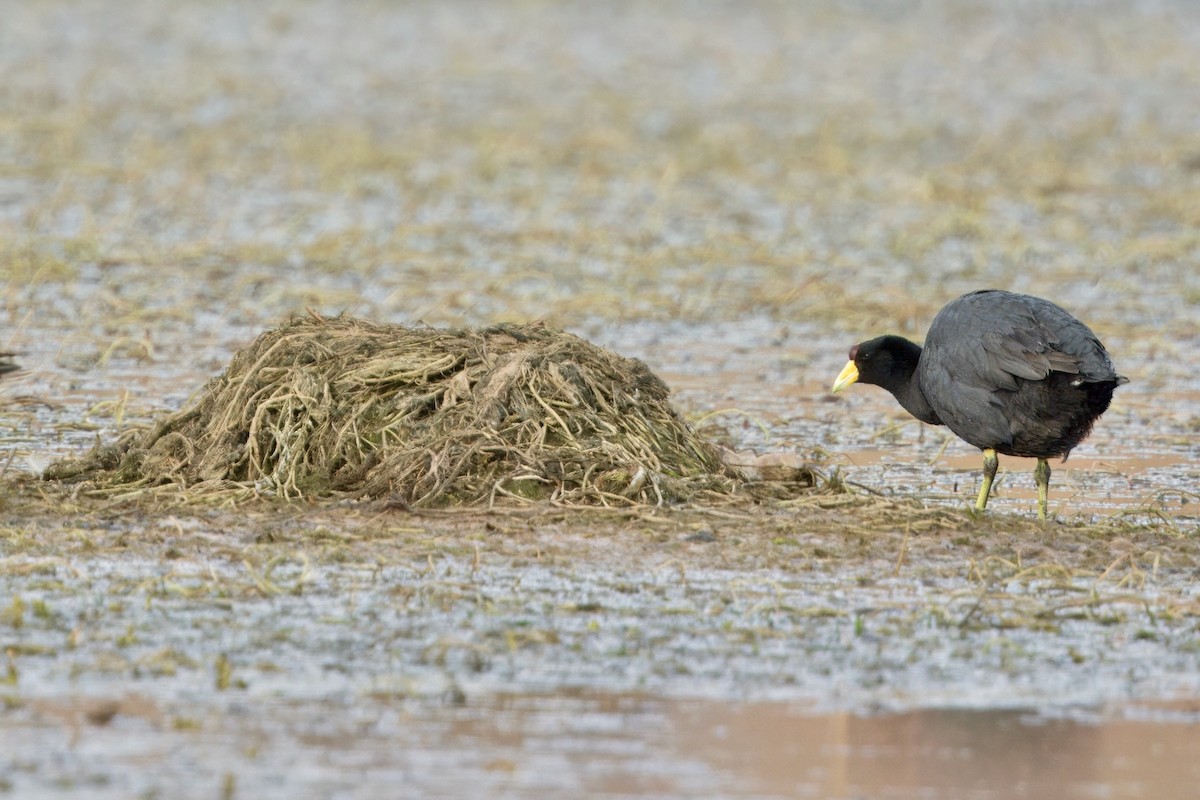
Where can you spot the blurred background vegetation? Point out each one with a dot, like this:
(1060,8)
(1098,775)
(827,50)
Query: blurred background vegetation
(857,164)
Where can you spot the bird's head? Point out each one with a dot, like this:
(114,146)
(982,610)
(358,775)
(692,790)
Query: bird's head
(887,361)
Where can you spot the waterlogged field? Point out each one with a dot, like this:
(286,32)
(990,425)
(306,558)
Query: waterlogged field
(733,194)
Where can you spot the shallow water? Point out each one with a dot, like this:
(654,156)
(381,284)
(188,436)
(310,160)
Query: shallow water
(557,668)
(596,745)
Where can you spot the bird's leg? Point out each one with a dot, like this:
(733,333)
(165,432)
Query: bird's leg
(990,463)
(1041,474)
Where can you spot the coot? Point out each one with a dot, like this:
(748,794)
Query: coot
(1008,373)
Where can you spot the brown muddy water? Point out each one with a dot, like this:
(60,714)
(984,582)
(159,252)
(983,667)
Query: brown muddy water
(734,193)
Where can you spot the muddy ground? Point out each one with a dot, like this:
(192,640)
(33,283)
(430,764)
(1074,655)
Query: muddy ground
(732,193)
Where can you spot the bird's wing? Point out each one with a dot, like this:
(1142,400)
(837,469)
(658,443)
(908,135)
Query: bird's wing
(1041,338)
(1031,353)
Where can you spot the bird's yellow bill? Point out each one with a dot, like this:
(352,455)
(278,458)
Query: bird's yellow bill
(847,376)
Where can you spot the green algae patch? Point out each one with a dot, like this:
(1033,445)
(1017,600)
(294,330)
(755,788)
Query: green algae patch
(426,417)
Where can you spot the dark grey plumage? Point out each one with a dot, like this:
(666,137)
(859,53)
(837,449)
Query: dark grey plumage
(1008,373)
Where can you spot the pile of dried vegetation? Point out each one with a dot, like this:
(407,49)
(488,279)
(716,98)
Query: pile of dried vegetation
(428,417)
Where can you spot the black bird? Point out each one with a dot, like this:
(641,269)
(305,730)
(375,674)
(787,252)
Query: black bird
(1008,373)
(7,364)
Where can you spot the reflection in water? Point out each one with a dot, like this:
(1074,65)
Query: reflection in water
(776,750)
(593,745)
(944,753)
